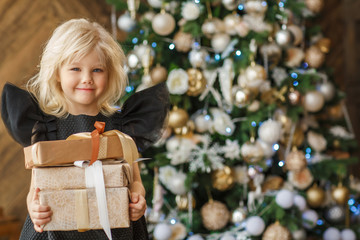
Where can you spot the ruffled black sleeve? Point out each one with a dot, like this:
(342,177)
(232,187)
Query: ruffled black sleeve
(23,118)
(144,115)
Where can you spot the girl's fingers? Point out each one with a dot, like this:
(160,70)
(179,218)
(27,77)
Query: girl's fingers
(42,215)
(40,222)
(38,228)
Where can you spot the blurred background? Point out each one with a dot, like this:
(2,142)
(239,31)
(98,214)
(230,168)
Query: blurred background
(25,25)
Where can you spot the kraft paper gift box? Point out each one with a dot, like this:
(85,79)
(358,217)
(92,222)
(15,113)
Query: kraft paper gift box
(77,209)
(116,174)
(59,152)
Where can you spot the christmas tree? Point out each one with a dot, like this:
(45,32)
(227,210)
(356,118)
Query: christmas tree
(258,142)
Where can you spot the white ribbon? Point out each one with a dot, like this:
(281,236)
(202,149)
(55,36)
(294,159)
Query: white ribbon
(95,179)
(210,76)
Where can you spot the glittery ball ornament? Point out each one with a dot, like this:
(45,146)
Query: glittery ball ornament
(315,196)
(215,215)
(314,57)
(283,38)
(197,82)
(295,161)
(313,101)
(314,5)
(223,179)
(276,232)
(163,24)
(183,41)
(335,214)
(300,179)
(178,117)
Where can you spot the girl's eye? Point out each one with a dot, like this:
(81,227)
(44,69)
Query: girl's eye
(98,70)
(75,69)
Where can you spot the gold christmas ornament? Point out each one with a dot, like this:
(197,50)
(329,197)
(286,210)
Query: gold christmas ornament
(163,23)
(197,82)
(297,33)
(215,215)
(255,7)
(252,152)
(340,194)
(276,232)
(230,22)
(241,96)
(314,57)
(272,183)
(335,112)
(186,130)
(158,74)
(315,196)
(182,202)
(284,38)
(294,56)
(301,179)
(314,5)
(183,41)
(223,179)
(294,96)
(324,45)
(255,72)
(295,161)
(178,117)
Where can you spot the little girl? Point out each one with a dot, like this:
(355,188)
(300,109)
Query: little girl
(81,77)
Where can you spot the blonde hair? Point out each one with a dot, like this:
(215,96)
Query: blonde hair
(69,42)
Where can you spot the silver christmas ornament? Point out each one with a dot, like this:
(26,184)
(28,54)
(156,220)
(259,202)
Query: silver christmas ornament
(335,214)
(328,90)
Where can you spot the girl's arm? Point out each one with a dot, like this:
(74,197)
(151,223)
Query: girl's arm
(39,214)
(138,202)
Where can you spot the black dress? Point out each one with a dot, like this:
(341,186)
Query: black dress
(142,117)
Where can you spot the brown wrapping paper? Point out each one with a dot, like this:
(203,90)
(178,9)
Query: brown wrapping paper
(57,178)
(69,209)
(58,152)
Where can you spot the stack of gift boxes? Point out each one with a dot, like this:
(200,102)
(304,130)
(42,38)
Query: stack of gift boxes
(63,186)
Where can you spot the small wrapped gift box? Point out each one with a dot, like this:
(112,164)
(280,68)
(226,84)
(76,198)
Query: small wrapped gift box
(78,209)
(116,174)
(59,152)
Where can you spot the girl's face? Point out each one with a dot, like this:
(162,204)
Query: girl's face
(83,83)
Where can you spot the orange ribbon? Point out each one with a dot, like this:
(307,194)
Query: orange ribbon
(95,140)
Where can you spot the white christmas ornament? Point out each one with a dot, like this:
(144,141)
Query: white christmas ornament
(230,4)
(149,16)
(222,122)
(255,225)
(155,3)
(163,24)
(332,234)
(230,22)
(228,237)
(162,231)
(270,131)
(313,101)
(133,61)
(190,11)
(300,202)
(316,141)
(267,148)
(125,22)
(255,7)
(178,81)
(283,38)
(328,90)
(285,198)
(195,237)
(299,234)
(309,218)
(348,234)
(220,41)
(202,123)
(198,57)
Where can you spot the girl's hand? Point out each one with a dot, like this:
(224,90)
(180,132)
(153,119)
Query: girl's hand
(137,206)
(39,214)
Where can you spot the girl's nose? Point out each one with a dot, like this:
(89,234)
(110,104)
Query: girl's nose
(87,78)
